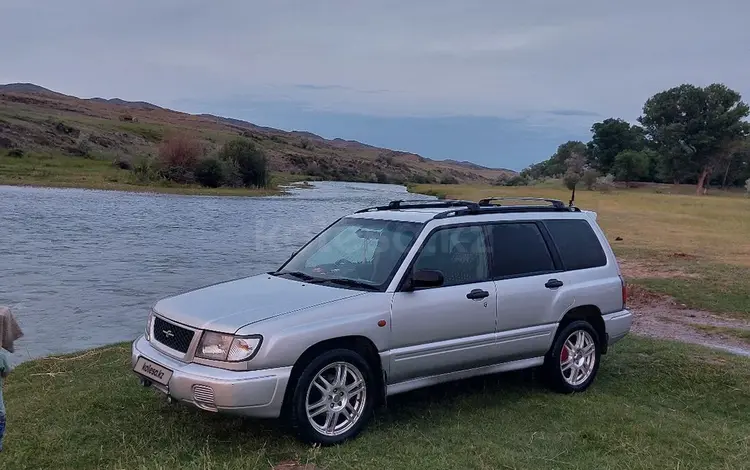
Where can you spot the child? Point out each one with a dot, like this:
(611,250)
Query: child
(5,369)
(9,332)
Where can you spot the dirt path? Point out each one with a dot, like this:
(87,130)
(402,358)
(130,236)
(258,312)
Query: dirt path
(659,316)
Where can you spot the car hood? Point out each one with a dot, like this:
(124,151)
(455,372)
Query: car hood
(228,306)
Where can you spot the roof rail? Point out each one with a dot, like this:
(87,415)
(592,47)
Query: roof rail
(555,202)
(424,204)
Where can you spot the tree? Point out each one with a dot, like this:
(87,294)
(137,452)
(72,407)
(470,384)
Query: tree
(693,127)
(210,172)
(611,137)
(589,178)
(575,167)
(630,165)
(250,162)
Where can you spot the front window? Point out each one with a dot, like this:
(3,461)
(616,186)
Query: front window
(354,252)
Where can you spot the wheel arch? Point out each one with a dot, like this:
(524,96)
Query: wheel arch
(591,314)
(359,344)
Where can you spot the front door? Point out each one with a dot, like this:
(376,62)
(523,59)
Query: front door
(451,327)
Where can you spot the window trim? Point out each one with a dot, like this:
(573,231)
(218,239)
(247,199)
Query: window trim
(407,272)
(546,238)
(558,251)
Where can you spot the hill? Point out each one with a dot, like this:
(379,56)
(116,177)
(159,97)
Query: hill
(37,120)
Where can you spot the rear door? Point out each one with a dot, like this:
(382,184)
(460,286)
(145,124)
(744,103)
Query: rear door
(450,327)
(526,274)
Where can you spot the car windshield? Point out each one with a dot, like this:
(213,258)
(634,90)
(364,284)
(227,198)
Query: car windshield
(354,252)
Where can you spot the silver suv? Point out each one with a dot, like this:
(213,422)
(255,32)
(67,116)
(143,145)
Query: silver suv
(391,299)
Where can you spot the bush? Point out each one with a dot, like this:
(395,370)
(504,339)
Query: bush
(747,186)
(589,179)
(180,151)
(17,153)
(250,161)
(514,180)
(605,184)
(448,180)
(122,163)
(144,170)
(210,172)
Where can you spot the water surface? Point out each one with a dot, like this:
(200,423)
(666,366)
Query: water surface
(80,268)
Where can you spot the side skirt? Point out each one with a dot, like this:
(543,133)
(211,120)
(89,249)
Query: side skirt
(422,382)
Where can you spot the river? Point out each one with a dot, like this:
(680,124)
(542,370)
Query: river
(81,268)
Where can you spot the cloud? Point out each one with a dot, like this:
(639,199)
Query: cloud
(386,58)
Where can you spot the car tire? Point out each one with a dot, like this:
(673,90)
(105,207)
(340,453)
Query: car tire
(573,360)
(333,398)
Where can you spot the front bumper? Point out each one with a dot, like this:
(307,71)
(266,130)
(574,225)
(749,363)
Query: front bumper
(248,393)
(617,325)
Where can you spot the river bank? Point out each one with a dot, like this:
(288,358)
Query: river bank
(86,173)
(88,411)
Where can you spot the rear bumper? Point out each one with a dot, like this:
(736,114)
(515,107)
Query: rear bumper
(617,325)
(251,393)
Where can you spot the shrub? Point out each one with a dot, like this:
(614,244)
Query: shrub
(448,180)
(747,186)
(180,151)
(251,162)
(145,170)
(122,163)
(17,153)
(178,174)
(605,184)
(210,172)
(589,178)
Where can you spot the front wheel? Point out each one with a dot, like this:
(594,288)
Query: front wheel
(333,399)
(573,361)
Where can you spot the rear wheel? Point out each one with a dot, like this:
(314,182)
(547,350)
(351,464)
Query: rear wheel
(333,398)
(573,361)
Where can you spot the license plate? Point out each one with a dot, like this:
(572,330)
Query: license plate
(152,371)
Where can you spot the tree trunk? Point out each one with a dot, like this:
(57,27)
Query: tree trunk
(726,174)
(701,182)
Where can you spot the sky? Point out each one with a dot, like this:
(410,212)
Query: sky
(499,83)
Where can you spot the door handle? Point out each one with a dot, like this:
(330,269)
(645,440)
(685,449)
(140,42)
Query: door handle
(477,294)
(553,284)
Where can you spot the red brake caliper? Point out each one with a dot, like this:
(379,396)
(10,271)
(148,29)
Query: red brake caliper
(564,354)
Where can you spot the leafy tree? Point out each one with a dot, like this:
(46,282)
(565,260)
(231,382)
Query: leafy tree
(630,165)
(210,172)
(693,127)
(589,178)
(575,166)
(611,137)
(250,162)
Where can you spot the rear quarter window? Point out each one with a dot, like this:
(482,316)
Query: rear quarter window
(578,245)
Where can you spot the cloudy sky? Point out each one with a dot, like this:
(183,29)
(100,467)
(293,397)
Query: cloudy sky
(497,82)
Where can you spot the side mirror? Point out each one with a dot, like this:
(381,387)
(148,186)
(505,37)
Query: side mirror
(426,278)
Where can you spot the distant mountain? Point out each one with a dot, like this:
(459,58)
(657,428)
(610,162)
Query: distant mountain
(128,104)
(36,119)
(28,88)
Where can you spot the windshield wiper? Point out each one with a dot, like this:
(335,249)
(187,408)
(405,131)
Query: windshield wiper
(297,274)
(350,282)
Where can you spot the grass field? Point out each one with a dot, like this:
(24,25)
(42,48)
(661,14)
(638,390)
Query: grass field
(655,404)
(696,249)
(79,172)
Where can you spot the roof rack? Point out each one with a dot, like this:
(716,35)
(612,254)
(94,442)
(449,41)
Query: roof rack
(470,206)
(556,203)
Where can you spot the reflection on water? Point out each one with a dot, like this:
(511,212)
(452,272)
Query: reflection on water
(80,268)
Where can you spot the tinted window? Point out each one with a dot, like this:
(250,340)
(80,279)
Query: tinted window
(459,253)
(519,249)
(577,243)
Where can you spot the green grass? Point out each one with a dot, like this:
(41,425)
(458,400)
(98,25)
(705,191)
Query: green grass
(655,404)
(150,132)
(90,173)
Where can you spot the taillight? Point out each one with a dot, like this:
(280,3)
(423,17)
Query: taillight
(624,292)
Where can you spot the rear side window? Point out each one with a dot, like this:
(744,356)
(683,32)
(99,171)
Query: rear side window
(519,249)
(577,243)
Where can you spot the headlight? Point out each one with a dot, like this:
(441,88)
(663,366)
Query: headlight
(149,326)
(223,347)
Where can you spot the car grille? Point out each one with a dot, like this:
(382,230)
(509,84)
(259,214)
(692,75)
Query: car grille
(172,336)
